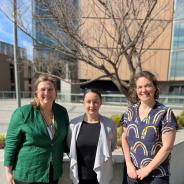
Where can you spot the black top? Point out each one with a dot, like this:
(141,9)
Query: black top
(86,149)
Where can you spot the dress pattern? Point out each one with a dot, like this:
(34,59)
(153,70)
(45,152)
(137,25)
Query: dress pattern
(144,136)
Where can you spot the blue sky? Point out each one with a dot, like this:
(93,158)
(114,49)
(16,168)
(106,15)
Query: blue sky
(6,35)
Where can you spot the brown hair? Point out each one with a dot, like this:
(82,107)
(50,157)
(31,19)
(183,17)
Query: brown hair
(41,78)
(148,75)
(96,91)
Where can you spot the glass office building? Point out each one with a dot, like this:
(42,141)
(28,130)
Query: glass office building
(176,71)
(176,68)
(49,37)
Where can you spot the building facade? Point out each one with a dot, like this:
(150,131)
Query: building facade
(46,49)
(176,60)
(165,58)
(7,75)
(156,58)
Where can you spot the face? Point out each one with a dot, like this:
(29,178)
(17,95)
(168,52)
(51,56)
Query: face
(92,103)
(145,90)
(45,93)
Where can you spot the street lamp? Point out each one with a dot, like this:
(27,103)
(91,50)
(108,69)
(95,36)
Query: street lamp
(17,85)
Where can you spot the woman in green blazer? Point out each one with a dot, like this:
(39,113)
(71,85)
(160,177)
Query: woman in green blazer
(36,138)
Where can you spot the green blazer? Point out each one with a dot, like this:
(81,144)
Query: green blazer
(28,147)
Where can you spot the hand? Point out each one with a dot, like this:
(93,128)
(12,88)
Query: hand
(142,173)
(131,171)
(9,175)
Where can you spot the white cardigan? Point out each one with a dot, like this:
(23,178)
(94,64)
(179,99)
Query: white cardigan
(103,165)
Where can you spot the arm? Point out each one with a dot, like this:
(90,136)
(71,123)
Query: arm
(12,143)
(131,170)
(168,142)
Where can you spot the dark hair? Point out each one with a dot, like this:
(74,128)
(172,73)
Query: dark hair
(148,75)
(41,78)
(96,91)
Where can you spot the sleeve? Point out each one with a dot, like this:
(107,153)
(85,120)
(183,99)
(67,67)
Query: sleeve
(13,138)
(69,136)
(169,121)
(114,138)
(124,119)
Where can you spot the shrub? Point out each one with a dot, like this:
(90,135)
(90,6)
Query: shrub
(180,119)
(2,140)
(116,118)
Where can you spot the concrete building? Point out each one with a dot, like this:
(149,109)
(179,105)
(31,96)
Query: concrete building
(165,58)
(7,76)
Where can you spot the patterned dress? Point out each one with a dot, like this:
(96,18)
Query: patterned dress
(144,137)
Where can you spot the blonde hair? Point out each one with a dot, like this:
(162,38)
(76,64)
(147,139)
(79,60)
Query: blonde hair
(41,78)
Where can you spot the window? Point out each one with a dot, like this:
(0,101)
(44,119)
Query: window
(176,90)
(12,76)
(176,68)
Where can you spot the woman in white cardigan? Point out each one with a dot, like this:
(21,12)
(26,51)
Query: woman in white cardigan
(91,139)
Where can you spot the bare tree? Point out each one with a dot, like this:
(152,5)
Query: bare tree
(105,34)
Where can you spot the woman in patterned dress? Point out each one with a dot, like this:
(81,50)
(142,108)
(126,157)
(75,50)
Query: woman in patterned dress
(149,134)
